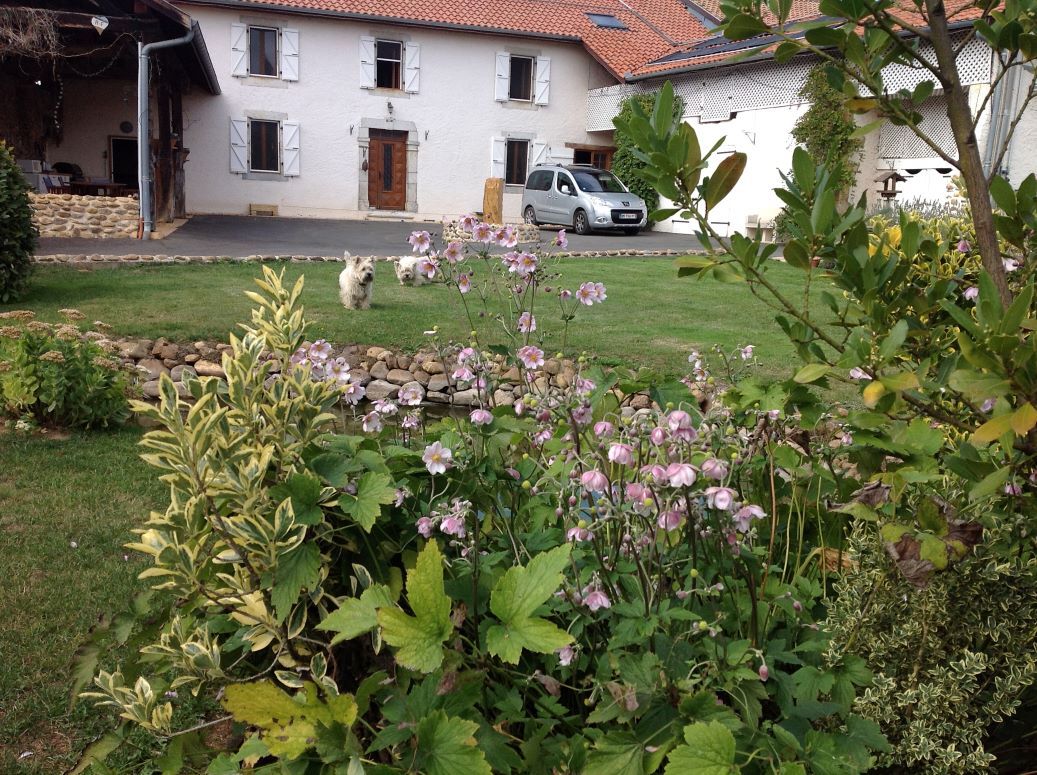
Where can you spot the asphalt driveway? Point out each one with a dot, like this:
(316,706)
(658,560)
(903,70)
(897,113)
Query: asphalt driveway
(233,235)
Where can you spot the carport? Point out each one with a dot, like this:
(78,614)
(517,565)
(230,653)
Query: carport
(71,68)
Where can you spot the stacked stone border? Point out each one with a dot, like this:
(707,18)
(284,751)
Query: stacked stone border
(93,217)
(134,259)
(382,372)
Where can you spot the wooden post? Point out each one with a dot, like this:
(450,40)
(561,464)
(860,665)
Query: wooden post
(179,209)
(163,162)
(493,201)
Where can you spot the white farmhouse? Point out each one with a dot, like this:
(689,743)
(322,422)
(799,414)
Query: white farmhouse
(402,109)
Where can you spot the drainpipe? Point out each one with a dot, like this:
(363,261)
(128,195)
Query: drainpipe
(144,125)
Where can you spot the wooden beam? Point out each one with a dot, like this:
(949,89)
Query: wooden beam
(71,20)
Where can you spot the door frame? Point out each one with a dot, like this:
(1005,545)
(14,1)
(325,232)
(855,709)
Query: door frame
(364,148)
(111,156)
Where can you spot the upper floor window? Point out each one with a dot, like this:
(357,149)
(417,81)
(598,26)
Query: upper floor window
(262,51)
(389,64)
(520,82)
(522,78)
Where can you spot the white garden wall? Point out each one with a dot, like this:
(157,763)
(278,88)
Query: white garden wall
(453,117)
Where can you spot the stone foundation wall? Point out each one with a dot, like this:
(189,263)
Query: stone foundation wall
(99,217)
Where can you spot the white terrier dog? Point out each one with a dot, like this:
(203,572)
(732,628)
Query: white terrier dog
(408,270)
(356,281)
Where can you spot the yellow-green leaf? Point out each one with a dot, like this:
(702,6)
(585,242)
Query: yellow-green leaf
(812,372)
(872,393)
(419,638)
(1023,419)
(993,429)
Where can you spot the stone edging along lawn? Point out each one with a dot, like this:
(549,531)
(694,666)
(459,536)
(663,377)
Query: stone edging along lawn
(382,372)
(134,259)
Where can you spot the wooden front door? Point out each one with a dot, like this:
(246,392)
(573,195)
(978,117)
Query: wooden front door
(387,170)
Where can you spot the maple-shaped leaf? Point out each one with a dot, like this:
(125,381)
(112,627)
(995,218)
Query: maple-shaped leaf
(296,570)
(514,600)
(357,615)
(419,638)
(710,750)
(447,746)
(289,726)
(305,491)
(372,491)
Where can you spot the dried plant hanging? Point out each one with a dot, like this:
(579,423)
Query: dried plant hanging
(29,32)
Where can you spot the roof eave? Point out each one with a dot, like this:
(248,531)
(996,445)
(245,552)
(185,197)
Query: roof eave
(348,15)
(762,56)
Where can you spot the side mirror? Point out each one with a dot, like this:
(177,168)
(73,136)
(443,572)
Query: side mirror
(565,189)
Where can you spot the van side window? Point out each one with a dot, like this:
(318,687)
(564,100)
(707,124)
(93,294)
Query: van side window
(539,180)
(564,181)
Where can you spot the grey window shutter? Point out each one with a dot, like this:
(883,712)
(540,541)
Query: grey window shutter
(366,63)
(502,82)
(239,50)
(542,84)
(412,66)
(289,54)
(238,145)
(290,148)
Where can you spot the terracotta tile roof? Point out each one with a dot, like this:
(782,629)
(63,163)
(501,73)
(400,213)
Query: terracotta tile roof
(654,27)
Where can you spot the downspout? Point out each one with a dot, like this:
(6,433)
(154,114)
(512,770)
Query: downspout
(1002,105)
(144,179)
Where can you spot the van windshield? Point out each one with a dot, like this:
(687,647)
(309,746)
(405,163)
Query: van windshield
(598,181)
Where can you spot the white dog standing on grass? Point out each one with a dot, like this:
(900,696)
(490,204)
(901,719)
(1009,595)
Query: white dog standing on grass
(356,282)
(408,270)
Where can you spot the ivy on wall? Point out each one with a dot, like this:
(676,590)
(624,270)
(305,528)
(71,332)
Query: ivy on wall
(826,130)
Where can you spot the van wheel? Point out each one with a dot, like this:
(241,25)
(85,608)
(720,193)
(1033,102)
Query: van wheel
(530,217)
(633,231)
(580,223)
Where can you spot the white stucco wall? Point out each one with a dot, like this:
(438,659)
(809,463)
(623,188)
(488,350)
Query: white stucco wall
(454,114)
(765,136)
(92,111)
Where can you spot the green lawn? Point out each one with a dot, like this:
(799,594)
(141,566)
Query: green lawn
(651,318)
(90,490)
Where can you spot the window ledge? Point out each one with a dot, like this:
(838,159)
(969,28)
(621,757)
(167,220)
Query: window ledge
(276,177)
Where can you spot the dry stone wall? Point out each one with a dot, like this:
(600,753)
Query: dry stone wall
(383,372)
(98,217)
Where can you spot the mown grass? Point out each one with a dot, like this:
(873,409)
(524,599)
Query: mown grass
(66,509)
(651,318)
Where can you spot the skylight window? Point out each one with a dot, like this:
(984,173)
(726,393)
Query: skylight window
(606,20)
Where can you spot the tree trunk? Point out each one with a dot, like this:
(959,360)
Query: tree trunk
(968,150)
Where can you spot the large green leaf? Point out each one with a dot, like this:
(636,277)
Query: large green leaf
(297,570)
(304,491)
(288,725)
(616,754)
(447,746)
(372,491)
(724,178)
(516,596)
(710,750)
(357,615)
(419,638)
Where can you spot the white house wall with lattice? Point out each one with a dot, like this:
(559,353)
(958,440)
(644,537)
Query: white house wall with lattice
(754,106)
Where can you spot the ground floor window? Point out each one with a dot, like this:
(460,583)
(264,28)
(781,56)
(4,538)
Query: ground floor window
(597,157)
(264,146)
(516,162)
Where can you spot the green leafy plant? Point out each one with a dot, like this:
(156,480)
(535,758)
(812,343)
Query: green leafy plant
(625,162)
(58,376)
(564,584)
(943,442)
(18,233)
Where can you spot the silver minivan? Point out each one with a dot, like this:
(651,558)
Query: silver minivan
(581,196)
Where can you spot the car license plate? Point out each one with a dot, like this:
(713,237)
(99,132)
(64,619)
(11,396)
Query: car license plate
(628,216)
